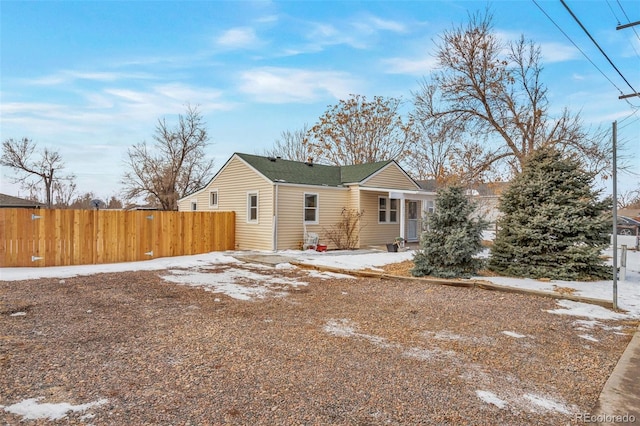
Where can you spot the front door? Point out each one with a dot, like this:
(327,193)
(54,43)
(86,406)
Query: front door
(412,221)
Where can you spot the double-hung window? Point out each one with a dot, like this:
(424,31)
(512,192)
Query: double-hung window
(311,215)
(382,210)
(213,198)
(252,207)
(388,210)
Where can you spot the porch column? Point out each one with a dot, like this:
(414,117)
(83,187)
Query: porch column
(402,203)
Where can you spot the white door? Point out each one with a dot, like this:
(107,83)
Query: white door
(412,221)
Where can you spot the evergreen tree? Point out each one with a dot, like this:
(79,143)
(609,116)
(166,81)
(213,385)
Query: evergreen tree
(553,225)
(452,238)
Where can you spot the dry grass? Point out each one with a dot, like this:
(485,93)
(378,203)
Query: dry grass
(336,351)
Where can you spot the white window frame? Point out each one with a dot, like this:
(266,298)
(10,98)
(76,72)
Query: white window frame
(194,206)
(392,210)
(387,210)
(381,210)
(217,196)
(431,206)
(316,208)
(249,208)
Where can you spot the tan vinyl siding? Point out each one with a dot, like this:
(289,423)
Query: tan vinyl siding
(202,202)
(291,213)
(390,177)
(374,233)
(233,183)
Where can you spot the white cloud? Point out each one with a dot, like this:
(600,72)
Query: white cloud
(280,85)
(373,24)
(237,38)
(558,52)
(419,66)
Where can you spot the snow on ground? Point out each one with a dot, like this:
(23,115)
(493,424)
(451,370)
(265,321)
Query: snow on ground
(628,290)
(491,398)
(236,283)
(31,409)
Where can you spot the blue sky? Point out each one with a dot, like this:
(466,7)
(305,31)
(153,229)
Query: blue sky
(91,78)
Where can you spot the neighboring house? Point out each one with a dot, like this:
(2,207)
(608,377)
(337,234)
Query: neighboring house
(278,201)
(8,201)
(485,195)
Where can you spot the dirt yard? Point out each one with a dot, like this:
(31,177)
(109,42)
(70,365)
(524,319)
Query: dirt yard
(139,349)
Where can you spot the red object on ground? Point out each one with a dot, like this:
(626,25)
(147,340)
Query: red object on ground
(321,248)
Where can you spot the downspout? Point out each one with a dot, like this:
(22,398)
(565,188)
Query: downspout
(275,217)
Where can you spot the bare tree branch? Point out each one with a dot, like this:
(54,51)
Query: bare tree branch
(34,172)
(175,166)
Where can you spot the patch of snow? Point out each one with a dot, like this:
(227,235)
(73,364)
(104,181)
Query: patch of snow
(327,275)
(584,325)
(346,328)
(18,314)
(547,404)
(31,409)
(588,337)
(443,335)
(514,334)
(585,310)
(426,354)
(341,328)
(18,274)
(236,283)
(491,398)
(285,266)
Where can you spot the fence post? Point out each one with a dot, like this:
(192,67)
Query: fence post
(623,263)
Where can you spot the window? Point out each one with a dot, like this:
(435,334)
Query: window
(382,209)
(252,207)
(393,210)
(387,210)
(431,206)
(213,198)
(194,206)
(310,208)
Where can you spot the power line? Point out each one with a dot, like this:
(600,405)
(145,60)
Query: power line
(628,20)
(635,93)
(576,46)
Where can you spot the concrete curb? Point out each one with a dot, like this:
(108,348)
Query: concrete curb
(619,401)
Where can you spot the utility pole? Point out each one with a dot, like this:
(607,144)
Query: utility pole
(615,217)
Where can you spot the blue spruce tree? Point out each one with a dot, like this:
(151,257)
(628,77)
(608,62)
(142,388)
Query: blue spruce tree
(553,224)
(452,239)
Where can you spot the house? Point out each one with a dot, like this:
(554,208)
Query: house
(11,202)
(485,195)
(277,202)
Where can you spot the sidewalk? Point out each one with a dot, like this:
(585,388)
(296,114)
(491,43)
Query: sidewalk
(619,402)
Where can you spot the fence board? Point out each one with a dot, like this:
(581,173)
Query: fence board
(30,237)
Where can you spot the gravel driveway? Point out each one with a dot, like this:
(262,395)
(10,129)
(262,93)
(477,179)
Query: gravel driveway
(141,348)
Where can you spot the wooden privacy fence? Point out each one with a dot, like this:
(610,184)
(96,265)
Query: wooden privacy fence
(30,237)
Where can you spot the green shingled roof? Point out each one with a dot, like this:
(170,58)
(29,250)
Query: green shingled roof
(279,170)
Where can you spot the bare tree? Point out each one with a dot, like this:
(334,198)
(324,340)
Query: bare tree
(35,174)
(174,166)
(63,193)
(357,131)
(493,90)
(292,146)
(629,199)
